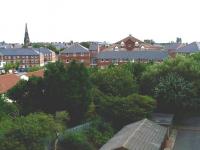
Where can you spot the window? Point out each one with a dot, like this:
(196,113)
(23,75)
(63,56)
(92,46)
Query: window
(67,54)
(82,54)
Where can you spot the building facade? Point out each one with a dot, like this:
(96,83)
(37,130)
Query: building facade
(26,57)
(75,52)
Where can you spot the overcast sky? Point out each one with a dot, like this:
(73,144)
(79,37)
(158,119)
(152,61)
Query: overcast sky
(99,20)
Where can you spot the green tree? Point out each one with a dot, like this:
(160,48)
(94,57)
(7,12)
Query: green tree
(30,132)
(121,111)
(99,132)
(29,95)
(174,94)
(77,91)
(74,141)
(116,81)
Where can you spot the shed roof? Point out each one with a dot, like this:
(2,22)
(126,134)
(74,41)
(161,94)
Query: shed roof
(141,135)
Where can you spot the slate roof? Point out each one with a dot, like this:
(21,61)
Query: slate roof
(19,52)
(76,48)
(141,135)
(93,46)
(173,46)
(44,50)
(190,48)
(149,55)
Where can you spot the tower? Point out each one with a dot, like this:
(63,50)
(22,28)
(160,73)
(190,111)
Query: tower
(26,37)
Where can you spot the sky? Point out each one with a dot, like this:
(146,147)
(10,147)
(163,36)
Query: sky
(99,20)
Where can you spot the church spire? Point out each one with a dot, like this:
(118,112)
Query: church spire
(26,37)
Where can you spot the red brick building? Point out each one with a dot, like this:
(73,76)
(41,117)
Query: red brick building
(75,52)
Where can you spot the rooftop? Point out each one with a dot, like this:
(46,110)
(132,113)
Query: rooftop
(141,135)
(76,48)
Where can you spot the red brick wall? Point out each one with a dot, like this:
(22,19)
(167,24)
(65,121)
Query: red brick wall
(78,57)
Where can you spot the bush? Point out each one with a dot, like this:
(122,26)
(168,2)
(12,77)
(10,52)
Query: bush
(74,141)
(99,132)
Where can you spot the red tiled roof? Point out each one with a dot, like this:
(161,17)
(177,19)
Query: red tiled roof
(39,73)
(7,82)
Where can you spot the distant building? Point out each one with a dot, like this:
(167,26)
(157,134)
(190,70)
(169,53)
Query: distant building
(191,48)
(171,48)
(27,57)
(75,52)
(141,135)
(49,55)
(130,49)
(126,50)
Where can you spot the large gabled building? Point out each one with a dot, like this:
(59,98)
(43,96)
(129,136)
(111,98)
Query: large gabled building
(130,49)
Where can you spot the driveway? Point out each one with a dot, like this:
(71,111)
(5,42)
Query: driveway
(188,137)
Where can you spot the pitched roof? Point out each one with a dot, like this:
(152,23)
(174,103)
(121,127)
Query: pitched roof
(127,38)
(19,52)
(76,48)
(7,82)
(190,48)
(144,135)
(173,46)
(149,55)
(43,50)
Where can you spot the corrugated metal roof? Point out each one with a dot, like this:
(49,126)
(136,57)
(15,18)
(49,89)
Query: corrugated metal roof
(19,52)
(190,48)
(149,55)
(141,135)
(76,48)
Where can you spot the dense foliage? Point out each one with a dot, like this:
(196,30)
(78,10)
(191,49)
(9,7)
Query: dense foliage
(28,133)
(115,81)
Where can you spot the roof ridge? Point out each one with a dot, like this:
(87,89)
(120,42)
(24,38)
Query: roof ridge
(137,129)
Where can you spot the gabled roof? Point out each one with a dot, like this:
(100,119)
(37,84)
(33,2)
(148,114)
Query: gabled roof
(141,135)
(76,48)
(142,54)
(19,52)
(127,38)
(190,48)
